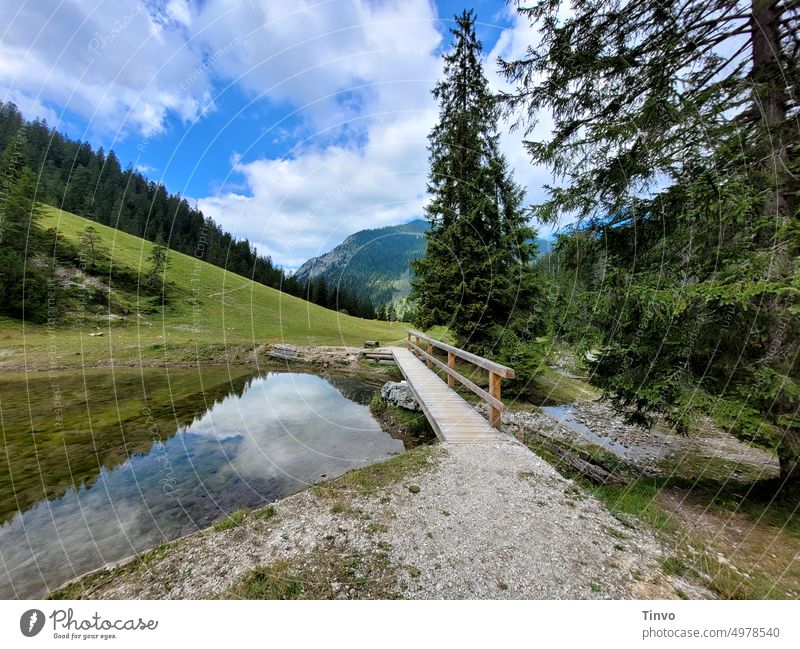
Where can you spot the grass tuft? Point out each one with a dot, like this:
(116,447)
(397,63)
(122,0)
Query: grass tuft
(234,520)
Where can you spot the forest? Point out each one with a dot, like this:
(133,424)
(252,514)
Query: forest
(40,165)
(675,157)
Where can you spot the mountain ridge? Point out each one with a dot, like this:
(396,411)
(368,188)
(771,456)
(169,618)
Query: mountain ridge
(374,262)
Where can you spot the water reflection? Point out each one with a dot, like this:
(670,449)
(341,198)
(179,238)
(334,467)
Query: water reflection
(260,439)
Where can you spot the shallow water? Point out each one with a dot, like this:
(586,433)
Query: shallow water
(565,415)
(104,464)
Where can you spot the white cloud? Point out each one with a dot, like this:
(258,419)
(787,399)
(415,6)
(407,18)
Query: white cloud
(363,61)
(301,207)
(511,45)
(360,73)
(119,65)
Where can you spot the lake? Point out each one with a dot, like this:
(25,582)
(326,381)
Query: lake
(98,465)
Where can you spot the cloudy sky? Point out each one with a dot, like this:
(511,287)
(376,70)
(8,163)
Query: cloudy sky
(293,123)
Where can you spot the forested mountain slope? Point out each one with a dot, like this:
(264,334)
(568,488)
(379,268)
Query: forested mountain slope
(375,263)
(371,262)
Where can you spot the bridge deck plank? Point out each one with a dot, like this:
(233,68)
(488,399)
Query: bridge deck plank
(452,418)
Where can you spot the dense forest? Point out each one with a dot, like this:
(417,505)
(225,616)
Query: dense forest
(40,165)
(373,262)
(675,152)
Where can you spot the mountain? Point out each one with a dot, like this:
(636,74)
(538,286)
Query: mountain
(73,176)
(374,262)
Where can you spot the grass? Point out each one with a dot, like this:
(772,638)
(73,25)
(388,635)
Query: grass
(234,520)
(324,574)
(746,546)
(270,511)
(676,566)
(636,499)
(277,580)
(209,312)
(407,422)
(368,480)
(76,589)
(553,388)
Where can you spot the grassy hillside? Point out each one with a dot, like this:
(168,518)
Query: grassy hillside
(209,312)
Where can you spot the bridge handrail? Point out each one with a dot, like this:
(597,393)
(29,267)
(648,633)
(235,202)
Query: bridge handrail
(480,361)
(496,370)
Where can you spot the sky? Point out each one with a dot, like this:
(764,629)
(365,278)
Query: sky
(293,123)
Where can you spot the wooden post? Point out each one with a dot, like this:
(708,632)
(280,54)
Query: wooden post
(415,351)
(430,352)
(408,337)
(494,390)
(451,363)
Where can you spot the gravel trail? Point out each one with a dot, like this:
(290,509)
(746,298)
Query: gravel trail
(477,521)
(496,521)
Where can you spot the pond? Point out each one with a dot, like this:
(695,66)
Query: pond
(98,465)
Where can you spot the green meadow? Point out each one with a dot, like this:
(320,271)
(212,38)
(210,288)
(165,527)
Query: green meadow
(208,315)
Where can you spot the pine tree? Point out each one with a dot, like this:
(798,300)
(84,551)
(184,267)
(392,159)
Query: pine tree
(475,276)
(19,211)
(676,135)
(158,262)
(93,249)
(320,291)
(23,285)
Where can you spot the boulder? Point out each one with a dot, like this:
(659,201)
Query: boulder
(397,393)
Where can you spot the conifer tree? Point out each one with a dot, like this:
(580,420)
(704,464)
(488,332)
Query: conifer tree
(676,144)
(92,246)
(158,261)
(476,276)
(23,286)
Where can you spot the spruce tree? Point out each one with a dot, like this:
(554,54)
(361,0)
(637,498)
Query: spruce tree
(476,276)
(158,261)
(676,144)
(92,247)
(23,284)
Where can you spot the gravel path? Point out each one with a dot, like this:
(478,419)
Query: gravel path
(477,521)
(496,521)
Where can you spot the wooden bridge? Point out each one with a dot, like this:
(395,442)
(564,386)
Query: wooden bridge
(452,418)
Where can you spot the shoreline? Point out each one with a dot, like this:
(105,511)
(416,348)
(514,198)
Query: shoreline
(427,524)
(339,357)
(403,541)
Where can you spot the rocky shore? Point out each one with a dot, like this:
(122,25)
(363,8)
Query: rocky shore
(470,521)
(650,451)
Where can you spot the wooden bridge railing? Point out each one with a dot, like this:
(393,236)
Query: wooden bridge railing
(496,371)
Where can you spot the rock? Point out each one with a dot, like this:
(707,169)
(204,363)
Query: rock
(399,394)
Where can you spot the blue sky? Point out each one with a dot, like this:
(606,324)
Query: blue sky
(293,123)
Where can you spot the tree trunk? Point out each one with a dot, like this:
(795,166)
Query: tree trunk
(771,98)
(766,73)
(789,456)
